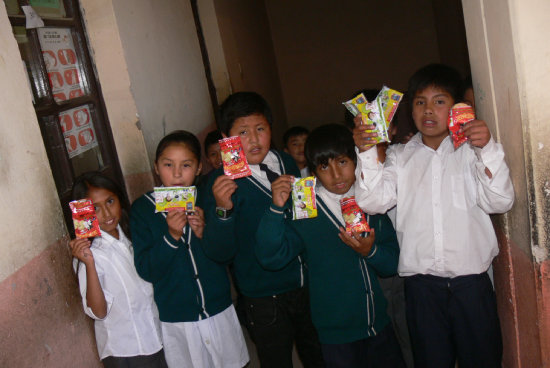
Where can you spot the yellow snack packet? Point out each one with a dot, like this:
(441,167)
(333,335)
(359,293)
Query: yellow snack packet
(172,198)
(371,114)
(304,204)
(388,99)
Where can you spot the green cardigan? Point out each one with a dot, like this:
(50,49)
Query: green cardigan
(347,303)
(234,239)
(188,285)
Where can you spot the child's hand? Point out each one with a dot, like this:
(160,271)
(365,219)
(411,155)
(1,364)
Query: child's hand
(80,249)
(478,133)
(176,220)
(222,189)
(196,221)
(363,140)
(357,242)
(281,189)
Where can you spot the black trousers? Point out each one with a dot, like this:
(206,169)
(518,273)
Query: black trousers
(141,361)
(453,319)
(380,351)
(276,322)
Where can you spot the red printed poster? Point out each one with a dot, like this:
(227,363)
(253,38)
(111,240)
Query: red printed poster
(78,130)
(61,63)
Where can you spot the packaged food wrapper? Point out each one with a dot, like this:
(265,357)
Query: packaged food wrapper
(353,216)
(172,198)
(459,115)
(388,100)
(234,160)
(304,204)
(84,219)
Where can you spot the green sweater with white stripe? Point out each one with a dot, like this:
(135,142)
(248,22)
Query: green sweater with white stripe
(188,285)
(347,303)
(234,239)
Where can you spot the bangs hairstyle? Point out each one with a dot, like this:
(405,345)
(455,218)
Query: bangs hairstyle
(242,104)
(439,76)
(188,139)
(82,185)
(329,142)
(294,132)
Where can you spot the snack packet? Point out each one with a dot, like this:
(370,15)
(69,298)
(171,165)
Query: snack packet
(234,160)
(353,216)
(172,198)
(303,198)
(459,115)
(388,100)
(84,219)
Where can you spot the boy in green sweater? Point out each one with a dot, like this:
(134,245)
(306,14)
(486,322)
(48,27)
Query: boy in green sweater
(347,305)
(275,301)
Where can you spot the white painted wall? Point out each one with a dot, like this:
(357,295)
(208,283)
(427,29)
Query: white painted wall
(30,213)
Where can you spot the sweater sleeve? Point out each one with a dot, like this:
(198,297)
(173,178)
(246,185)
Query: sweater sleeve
(384,255)
(218,240)
(277,243)
(154,249)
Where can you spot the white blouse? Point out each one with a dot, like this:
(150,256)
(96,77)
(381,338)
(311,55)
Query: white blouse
(131,326)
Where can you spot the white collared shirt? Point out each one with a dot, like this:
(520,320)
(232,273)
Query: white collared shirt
(272,163)
(443,199)
(332,200)
(131,326)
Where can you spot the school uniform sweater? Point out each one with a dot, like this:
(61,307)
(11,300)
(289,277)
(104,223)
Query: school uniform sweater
(347,303)
(234,239)
(188,286)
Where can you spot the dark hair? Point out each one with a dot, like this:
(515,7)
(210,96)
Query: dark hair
(294,132)
(81,187)
(180,137)
(242,104)
(467,82)
(436,75)
(370,95)
(211,138)
(328,142)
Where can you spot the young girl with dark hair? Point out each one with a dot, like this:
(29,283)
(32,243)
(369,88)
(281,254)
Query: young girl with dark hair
(121,303)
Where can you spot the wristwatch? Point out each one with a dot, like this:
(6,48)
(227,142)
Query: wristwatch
(223,213)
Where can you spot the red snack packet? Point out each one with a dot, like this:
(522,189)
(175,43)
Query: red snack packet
(353,216)
(234,160)
(459,115)
(84,219)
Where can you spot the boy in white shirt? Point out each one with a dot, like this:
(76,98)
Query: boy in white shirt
(443,199)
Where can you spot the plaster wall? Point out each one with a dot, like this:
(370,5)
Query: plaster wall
(29,207)
(510,70)
(165,68)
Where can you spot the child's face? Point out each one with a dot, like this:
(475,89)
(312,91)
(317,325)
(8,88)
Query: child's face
(295,147)
(213,155)
(338,175)
(430,112)
(255,134)
(177,166)
(107,209)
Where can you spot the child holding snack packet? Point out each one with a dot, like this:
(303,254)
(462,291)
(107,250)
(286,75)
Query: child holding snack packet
(444,197)
(347,305)
(125,316)
(276,302)
(198,321)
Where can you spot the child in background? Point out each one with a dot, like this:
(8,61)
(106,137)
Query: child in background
(294,140)
(212,154)
(444,197)
(468,96)
(276,302)
(126,319)
(347,304)
(198,322)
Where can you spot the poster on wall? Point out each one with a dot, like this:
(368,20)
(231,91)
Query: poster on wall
(61,62)
(78,130)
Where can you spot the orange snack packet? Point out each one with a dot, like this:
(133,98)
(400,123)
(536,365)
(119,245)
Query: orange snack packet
(234,160)
(459,115)
(354,217)
(84,219)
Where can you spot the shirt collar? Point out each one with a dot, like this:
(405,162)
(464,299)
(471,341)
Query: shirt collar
(416,141)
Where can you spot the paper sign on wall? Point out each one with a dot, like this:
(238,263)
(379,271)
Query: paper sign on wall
(78,130)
